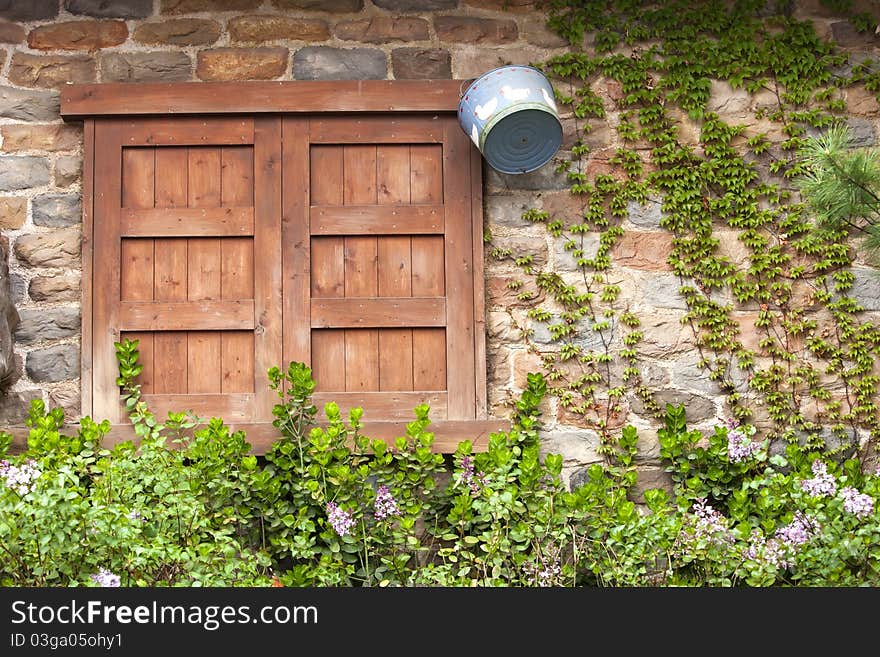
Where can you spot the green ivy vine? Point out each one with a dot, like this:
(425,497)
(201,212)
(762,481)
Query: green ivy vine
(811,378)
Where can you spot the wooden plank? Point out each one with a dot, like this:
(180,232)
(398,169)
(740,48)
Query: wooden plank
(171,177)
(359,175)
(146,358)
(376,219)
(394,267)
(397,130)
(87,285)
(361,267)
(299,96)
(325,175)
(203,180)
(138,177)
(106,277)
(480,400)
(187,131)
(429,358)
(392,174)
(428,262)
(231,407)
(261,436)
(296,255)
(268,283)
(237,268)
(186,315)
(328,359)
(426,173)
(361,360)
(327,267)
(395,359)
(378,312)
(203,356)
(237,361)
(169,357)
(182,222)
(237,176)
(385,405)
(170,262)
(136,270)
(204,269)
(459,275)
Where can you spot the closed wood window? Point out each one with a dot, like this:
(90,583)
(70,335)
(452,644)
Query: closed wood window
(230,244)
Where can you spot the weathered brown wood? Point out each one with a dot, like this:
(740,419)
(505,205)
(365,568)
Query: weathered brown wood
(182,222)
(394,270)
(136,282)
(268,283)
(106,272)
(231,407)
(138,177)
(169,264)
(203,362)
(185,315)
(295,252)
(203,270)
(237,361)
(327,267)
(378,312)
(237,176)
(392,174)
(203,181)
(186,131)
(170,358)
(459,274)
(299,96)
(376,130)
(476,171)
(359,174)
(328,359)
(428,275)
(376,219)
(385,405)
(395,359)
(86,283)
(237,268)
(361,267)
(426,173)
(325,175)
(429,358)
(361,360)
(261,436)
(171,177)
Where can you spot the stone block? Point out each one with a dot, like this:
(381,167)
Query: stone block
(330,6)
(405,6)
(468,29)
(59,248)
(421,64)
(178,32)
(156,66)
(648,215)
(56,210)
(697,408)
(57,287)
(256,29)
(14,406)
(55,137)
(326,63)
(78,35)
(28,10)
(39,324)
(58,363)
(110,8)
(13,212)
(29,105)
(662,291)
(193,6)
(23,172)
(242,63)
(383,29)
(68,170)
(51,71)
(646,250)
(578,447)
(11,32)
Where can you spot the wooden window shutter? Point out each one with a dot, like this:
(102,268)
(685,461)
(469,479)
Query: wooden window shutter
(184,263)
(230,228)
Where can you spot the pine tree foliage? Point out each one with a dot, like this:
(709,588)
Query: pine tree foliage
(842,185)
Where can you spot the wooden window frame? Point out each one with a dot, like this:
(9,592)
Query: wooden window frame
(288,100)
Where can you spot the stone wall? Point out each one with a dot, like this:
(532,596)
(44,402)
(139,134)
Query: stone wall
(45,44)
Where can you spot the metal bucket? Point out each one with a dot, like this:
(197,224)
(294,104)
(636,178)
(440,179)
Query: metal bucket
(510,115)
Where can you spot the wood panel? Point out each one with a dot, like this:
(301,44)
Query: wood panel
(237,361)
(181,222)
(171,177)
(426,173)
(379,312)
(237,176)
(136,282)
(325,174)
(377,220)
(375,130)
(328,267)
(429,358)
(428,266)
(170,358)
(396,359)
(237,268)
(186,131)
(170,265)
(203,182)
(392,174)
(231,407)
(175,316)
(203,270)
(361,360)
(170,262)
(394,267)
(361,267)
(328,359)
(296,254)
(203,354)
(359,175)
(480,363)
(87,283)
(385,405)
(138,177)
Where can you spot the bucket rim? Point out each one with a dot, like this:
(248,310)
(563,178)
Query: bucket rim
(507,111)
(472,81)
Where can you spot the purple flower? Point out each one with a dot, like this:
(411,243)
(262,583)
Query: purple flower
(772,552)
(135,515)
(385,507)
(800,530)
(857,503)
(341,520)
(822,483)
(20,478)
(105,578)
(740,447)
(473,480)
(704,527)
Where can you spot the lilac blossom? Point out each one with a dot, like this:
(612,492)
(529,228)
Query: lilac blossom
(857,503)
(341,520)
(135,515)
(105,578)
(20,478)
(822,482)
(543,574)
(740,447)
(772,551)
(704,525)
(385,506)
(473,480)
(800,530)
